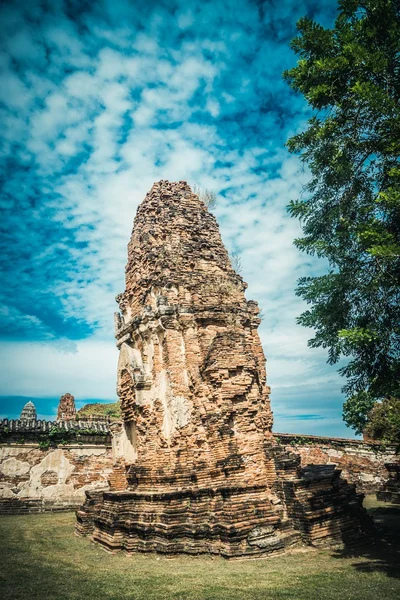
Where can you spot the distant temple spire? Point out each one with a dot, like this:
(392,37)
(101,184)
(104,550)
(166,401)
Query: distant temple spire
(66,408)
(28,412)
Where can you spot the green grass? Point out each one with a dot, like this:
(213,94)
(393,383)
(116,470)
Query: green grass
(41,558)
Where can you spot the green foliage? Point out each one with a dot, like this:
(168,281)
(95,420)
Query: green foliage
(54,431)
(384,422)
(96,409)
(356,410)
(350,212)
(44,444)
(300,440)
(3,434)
(61,437)
(56,436)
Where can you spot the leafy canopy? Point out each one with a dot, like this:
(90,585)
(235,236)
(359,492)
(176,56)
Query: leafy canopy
(384,422)
(356,410)
(350,211)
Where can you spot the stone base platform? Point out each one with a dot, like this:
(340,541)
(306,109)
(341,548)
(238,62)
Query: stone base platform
(231,522)
(325,509)
(312,506)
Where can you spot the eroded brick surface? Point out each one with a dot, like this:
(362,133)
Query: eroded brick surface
(367,465)
(66,408)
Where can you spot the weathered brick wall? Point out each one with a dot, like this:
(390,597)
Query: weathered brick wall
(32,479)
(35,480)
(361,463)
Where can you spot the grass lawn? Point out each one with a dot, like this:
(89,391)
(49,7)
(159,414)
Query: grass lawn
(41,558)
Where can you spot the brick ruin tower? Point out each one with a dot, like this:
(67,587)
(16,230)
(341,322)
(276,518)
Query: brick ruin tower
(196,466)
(66,408)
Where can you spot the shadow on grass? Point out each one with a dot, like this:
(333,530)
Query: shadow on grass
(382,551)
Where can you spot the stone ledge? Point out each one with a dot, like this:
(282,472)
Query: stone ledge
(42,426)
(304,439)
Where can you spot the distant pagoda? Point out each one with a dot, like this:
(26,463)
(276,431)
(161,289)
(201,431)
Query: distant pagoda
(28,413)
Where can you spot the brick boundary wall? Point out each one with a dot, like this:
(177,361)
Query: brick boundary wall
(10,429)
(365,464)
(48,466)
(35,478)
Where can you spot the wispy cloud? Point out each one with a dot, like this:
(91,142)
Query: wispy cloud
(304,417)
(97,101)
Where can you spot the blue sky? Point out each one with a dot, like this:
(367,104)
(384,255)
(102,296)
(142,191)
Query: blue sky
(98,101)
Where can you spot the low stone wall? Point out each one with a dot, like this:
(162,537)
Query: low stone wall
(36,478)
(33,479)
(51,432)
(364,464)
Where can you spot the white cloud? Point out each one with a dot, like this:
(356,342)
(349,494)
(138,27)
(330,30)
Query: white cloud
(41,370)
(130,105)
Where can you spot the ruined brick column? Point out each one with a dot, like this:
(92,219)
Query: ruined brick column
(66,408)
(196,444)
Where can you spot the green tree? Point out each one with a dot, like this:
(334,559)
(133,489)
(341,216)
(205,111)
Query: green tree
(350,209)
(356,410)
(384,421)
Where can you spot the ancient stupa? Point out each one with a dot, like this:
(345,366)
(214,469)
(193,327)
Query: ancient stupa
(196,466)
(66,408)
(28,412)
